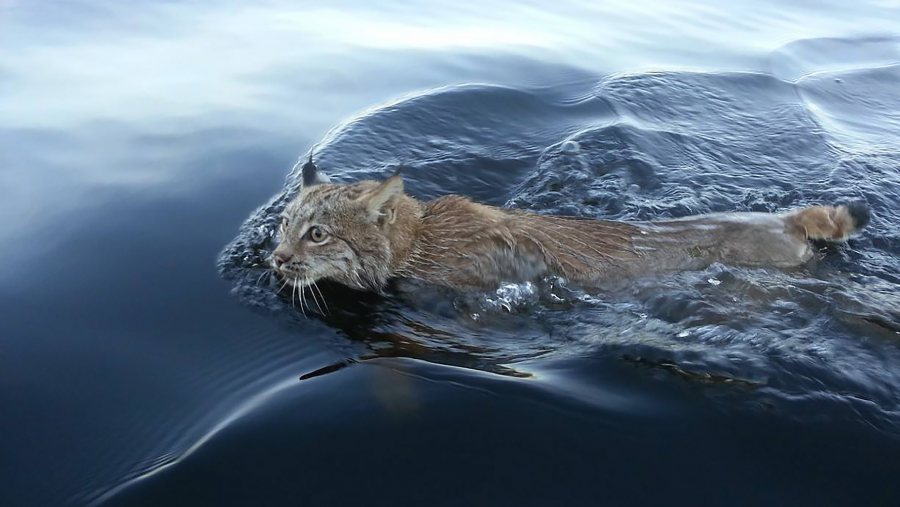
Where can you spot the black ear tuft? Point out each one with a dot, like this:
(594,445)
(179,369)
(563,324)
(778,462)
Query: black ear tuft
(310,172)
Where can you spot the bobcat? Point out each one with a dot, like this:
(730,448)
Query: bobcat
(364,234)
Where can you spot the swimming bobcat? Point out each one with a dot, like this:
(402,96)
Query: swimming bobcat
(366,233)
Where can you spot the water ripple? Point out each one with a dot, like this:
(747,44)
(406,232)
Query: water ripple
(643,146)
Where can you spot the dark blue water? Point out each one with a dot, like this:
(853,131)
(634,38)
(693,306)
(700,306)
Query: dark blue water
(146,357)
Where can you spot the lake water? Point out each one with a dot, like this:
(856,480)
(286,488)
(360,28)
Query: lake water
(146,357)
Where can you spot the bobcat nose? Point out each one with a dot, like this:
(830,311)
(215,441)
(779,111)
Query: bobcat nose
(280,258)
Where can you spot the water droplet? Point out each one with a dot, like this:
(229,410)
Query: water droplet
(714,281)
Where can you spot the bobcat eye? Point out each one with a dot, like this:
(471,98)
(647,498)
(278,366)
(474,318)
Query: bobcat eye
(316,234)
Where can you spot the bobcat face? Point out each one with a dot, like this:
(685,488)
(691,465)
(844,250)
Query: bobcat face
(339,233)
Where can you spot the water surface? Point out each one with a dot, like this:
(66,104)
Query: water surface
(147,359)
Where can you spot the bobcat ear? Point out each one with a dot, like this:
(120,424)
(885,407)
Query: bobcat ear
(310,173)
(381,202)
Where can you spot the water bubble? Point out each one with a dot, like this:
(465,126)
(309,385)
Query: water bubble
(571,147)
(511,296)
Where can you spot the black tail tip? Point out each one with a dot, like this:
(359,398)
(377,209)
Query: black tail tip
(860,213)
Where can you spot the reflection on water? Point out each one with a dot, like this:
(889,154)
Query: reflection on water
(135,139)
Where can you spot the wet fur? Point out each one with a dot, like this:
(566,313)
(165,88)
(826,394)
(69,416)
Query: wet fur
(376,233)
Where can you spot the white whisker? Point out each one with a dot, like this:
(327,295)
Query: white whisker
(264,273)
(302,295)
(316,286)
(313,292)
(293,288)
(282,286)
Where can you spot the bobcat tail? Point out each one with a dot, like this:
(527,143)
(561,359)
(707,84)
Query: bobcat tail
(831,223)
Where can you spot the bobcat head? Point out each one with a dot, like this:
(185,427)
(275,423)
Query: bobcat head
(353,234)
